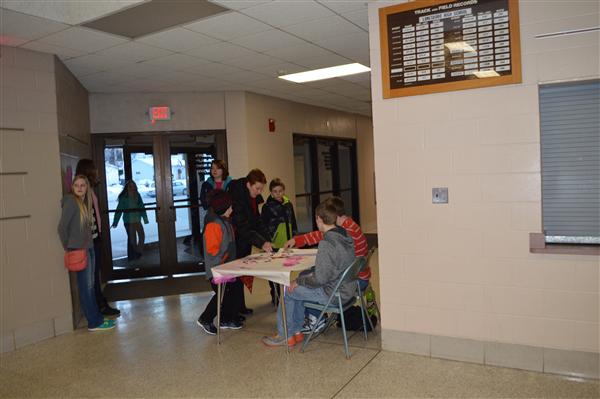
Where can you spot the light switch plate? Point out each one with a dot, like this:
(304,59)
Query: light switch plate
(439,195)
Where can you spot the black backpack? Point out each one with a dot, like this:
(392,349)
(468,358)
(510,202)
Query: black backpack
(353,320)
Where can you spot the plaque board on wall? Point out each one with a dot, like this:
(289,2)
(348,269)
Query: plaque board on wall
(431,46)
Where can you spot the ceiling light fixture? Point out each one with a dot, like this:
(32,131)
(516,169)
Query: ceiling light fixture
(326,73)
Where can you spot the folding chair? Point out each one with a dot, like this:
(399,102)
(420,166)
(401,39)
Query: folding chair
(361,295)
(334,303)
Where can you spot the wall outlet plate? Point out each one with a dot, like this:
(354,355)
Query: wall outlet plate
(439,195)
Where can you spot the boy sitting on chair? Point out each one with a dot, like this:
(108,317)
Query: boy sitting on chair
(335,253)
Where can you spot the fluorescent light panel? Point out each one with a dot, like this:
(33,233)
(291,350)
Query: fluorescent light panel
(326,73)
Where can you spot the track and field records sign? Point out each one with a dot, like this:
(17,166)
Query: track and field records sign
(430,46)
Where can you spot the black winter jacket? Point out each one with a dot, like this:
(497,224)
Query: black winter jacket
(248,226)
(279,216)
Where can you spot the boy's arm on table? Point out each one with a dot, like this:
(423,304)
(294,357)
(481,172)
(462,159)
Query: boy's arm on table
(312,238)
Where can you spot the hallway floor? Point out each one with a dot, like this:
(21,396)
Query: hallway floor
(157,350)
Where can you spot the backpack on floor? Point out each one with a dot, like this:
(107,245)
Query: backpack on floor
(353,320)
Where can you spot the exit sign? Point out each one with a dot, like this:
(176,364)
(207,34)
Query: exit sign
(159,114)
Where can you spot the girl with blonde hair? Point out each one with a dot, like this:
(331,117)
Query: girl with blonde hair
(75,231)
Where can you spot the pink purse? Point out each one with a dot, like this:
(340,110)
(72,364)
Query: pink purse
(76,260)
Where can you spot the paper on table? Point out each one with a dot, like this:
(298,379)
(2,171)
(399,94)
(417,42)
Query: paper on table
(268,266)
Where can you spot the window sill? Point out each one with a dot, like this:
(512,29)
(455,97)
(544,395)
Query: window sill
(538,245)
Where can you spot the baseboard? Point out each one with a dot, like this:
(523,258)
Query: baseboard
(533,358)
(35,332)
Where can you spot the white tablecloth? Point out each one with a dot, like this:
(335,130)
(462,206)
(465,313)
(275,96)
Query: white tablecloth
(268,266)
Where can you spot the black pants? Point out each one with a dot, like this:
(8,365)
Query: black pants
(231,305)
(275,290)
(100,299)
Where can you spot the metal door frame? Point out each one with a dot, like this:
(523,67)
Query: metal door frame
(165,216)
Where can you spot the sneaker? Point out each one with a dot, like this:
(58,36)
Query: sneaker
(298,337)
(208,328)
(106,325)
(276,340)
(110,312)
(311,321)
(231,325)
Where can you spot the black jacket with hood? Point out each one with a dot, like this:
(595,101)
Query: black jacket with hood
(248,225)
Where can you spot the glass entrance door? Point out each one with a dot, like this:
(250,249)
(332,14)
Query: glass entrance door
(133,210)
(190,158)
(150,196)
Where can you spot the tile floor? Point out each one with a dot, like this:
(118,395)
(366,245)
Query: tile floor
(157,350)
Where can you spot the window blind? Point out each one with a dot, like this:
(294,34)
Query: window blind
(570,153)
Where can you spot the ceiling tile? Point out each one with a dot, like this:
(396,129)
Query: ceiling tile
(344,6)
(352,46)
(252,61)
(282,13)
(350,89)
(239,4)
(180,77)
(268,40)
(137,70)
(275,70)
(176,62)
(362,79)
(106,78)
(298,52)
(134,52)
(214,70)
(243,77)
(178,39)
(323,62)
(26,27)
(360,18)
(323,28)
(62,52)
(69,12)
(274,84)
(228,26)
(80,66)
(220,51)
(83,39)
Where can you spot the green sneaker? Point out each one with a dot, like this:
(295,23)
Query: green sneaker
(106,325)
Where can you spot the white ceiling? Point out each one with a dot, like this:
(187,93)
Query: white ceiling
(244,49)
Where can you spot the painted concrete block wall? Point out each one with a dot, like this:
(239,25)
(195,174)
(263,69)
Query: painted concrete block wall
(127,112)
(464,269)
(35,303)
(273,152)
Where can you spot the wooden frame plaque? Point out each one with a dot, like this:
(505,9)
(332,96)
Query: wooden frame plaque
(432,46)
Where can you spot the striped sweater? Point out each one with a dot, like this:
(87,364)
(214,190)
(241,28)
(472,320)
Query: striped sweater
(353,230)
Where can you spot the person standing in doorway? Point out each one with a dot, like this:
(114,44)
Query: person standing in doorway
(87,168)
(249,229)
(75,232)
(131,206)
(219,180)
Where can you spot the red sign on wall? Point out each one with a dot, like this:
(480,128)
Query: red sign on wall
(159,114)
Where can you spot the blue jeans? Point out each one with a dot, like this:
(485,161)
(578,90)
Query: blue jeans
(363,286)
(87,298)
(294,307)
